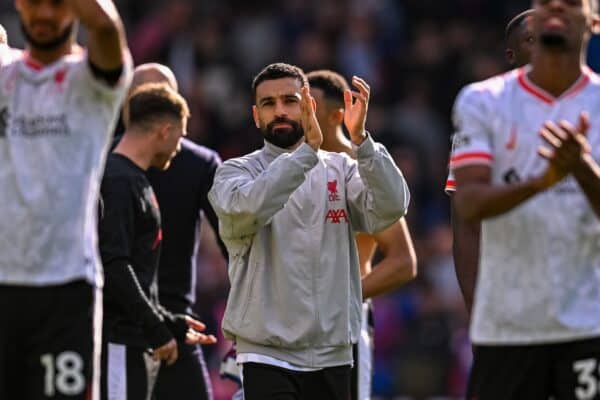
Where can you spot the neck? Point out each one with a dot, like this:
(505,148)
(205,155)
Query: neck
(335,141)
(137,148)
(555,72)
(49,56)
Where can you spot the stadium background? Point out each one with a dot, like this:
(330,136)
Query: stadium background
(416,54)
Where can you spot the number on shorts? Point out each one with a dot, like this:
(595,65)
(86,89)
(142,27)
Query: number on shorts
(588,383)
(65,374)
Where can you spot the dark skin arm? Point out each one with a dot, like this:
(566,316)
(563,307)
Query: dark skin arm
(106,43)
(465,249)
(399,263)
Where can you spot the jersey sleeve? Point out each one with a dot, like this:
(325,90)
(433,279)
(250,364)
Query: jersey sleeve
(471,144)
(85,79)
(117,226)
(450,184)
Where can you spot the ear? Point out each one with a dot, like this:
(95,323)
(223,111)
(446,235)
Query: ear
(510,56)
(163,131)
(255,116)
(595,24)
(337,116)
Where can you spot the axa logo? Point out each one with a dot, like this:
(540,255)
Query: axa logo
(336,216)
(332,189)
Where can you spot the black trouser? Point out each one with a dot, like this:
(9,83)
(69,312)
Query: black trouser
(47,341)
(266,382)
(562,371)
(128,372)
(187,379)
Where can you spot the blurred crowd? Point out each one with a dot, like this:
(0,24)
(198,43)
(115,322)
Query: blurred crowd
(416,54)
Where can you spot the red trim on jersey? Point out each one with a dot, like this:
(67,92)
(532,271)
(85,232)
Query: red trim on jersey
(33,64)
(546,97)
(450,186)
(540,94)
(472,156)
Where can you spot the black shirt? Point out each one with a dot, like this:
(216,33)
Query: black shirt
(130,239)
(182,193)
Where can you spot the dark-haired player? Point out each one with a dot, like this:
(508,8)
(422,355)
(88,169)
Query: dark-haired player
(519,41)
(525,159)
(57,111)
(398,265)
(130,242)
(288,214)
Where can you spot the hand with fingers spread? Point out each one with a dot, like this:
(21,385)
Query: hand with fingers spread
(194,335)
(312,130)
(567,147)
(356,105)
(167,352)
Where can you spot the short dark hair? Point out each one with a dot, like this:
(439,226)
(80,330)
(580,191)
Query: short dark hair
(153,101)
(515,23)
(331,83)
(278,71)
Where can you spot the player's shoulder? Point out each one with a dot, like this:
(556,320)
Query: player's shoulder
(119,167)
(487,92)
(246,162)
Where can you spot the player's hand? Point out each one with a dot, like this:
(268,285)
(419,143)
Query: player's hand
(355,114)
(312,130)
(194,335)
(566,147)
(167,352)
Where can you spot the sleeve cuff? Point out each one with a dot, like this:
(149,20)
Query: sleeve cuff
(366,149)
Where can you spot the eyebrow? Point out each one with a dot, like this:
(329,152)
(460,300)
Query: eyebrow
(286,96)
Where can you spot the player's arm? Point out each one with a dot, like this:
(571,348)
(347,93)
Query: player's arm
(567,148)
(106,43)
(476,198)
(245,203)
(209,212)
(377,193)
(465,249)
(399,263)
(116,231)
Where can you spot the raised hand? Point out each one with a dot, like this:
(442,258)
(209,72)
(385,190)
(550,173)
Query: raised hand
(355,114)
(194,335)
(312,130)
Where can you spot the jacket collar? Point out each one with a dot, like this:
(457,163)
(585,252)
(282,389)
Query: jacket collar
(272,151)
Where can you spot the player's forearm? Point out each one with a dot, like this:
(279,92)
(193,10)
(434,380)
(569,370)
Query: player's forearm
(106,42)
(122,287)
(465,249)
(477,201)
(588,177)
(389,274)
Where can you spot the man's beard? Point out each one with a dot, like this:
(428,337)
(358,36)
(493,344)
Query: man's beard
(283,137)
(553,41)
(53,44)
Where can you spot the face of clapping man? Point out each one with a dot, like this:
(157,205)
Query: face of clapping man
(277,111)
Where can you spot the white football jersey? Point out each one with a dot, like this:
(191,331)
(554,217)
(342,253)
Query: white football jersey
(539,277)
(56,122)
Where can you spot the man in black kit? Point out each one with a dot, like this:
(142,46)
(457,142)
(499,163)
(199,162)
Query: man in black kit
(130,242)
(182,192)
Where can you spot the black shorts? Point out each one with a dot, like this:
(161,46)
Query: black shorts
(267,382)
(187,379)
(128,372)
(49,341)
(562,371)
(362,370)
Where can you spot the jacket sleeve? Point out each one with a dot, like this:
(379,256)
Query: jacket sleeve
(245,203)
(376,190)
